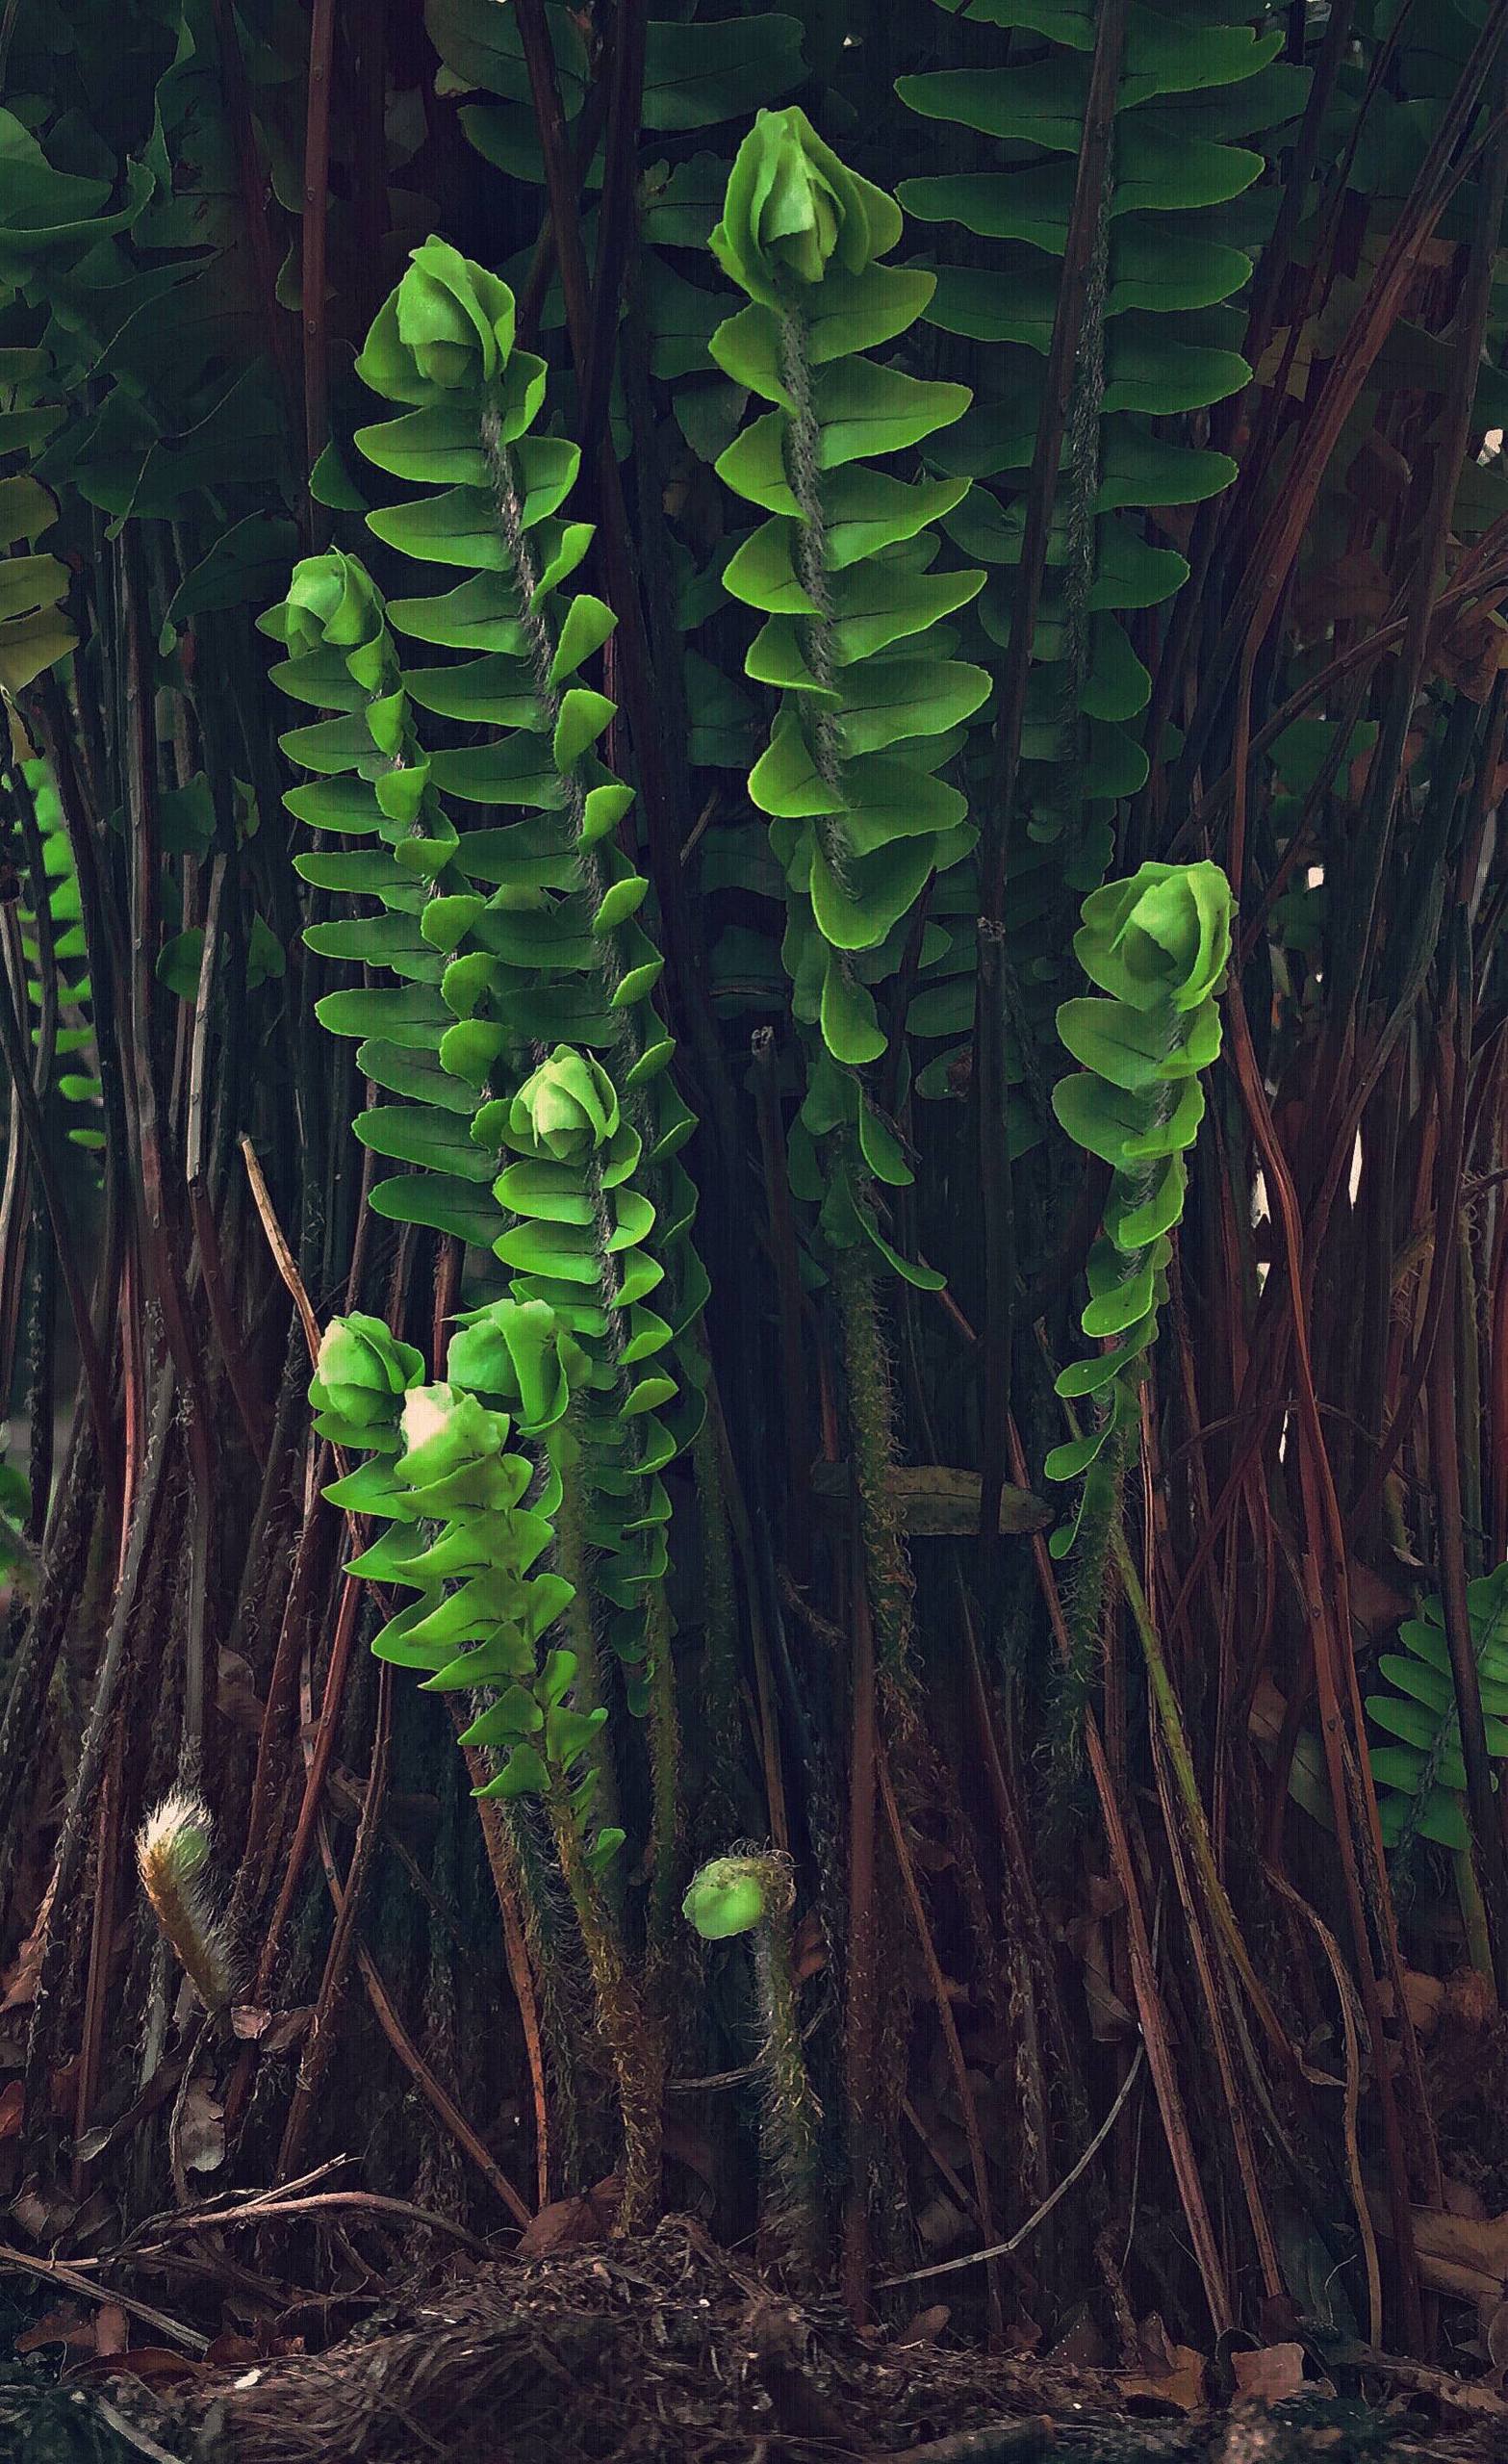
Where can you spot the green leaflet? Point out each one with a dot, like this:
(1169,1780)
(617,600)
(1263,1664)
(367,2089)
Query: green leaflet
(34,807)
(1416,1759)
(1157,946)
(534,1111)
(871,706)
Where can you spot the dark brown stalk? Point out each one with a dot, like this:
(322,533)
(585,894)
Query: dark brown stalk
(1353,1799)
(1150,2008)
(88,1779)
(615,217)
(320,1755)
(1095,149)
(799,1443)
(439,2103)
(1271,561)
(1219,2022)
(969,2103)
(863,1982)
(75,1533)
(17,1062)
(1385,775)
(1391,1439)
(367,45)
(160,1231)
(102,1938)
(502,1865)
(999,1231)
(310,1571)
(251,1403)
(1489,1854)
(1215,516)
(324,2028)
(1152,2013)
(1483,580)
(254,192)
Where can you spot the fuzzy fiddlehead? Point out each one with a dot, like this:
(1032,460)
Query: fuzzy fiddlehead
(1157,946)
(751,1892)
(174,1855)
(855,641)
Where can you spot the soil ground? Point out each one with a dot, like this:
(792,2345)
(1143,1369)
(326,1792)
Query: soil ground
(667,2351)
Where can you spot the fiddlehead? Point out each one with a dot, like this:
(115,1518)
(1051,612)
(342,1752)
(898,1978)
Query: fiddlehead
(854,640)
(1158,947)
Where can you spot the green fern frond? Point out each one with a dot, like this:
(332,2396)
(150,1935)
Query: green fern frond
(1415,1760)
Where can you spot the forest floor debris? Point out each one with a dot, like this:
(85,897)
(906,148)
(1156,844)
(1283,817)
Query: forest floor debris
(669,2352)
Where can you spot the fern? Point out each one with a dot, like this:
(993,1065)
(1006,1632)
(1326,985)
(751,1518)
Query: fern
(854,640)
(442,1457)
(468,1520)
(1157,946)
(78,1083)
(1419,1772)
(522,1032)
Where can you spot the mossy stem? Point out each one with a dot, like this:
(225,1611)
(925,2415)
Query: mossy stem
(665,1813)
(569,1553)
(875,1452)
(719,1689)
(790,2120)
(633,2040)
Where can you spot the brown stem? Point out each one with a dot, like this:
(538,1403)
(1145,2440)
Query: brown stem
(635,2040)
(794,1392)
(1487,1852)
(320,2044)
(504,1870)
(860,2014)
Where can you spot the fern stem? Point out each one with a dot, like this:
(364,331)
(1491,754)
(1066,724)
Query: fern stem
(1474,1913)
(633,2040)
(871,1404)
(665,1816)
(571,1557)
(1085,1602)
(1181,1762)
(719,1621)
(555,1957)
(790,2123)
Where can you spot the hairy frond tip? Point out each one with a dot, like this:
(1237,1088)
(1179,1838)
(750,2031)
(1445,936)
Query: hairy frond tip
(174,1850)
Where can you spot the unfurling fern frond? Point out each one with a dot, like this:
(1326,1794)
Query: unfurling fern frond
(1158,947)
(522,1032)
(469,1519)
(871,703)
(534,1099)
